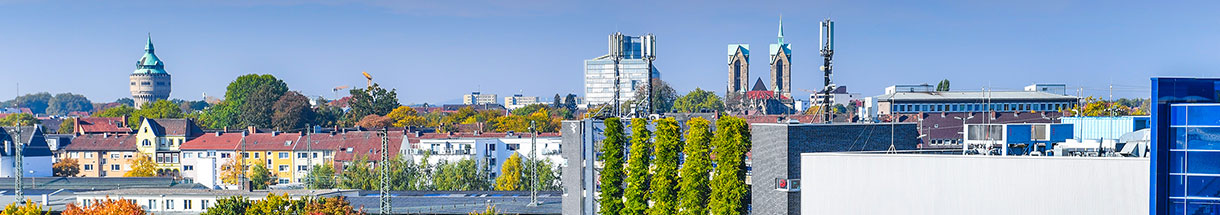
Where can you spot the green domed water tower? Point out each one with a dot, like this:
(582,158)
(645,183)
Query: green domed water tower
(149,82)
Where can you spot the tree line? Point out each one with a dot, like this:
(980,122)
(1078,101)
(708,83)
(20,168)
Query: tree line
(405,174)
(676,177)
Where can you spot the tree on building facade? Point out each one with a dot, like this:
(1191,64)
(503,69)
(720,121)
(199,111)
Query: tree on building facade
(694,188)
(611,197)
(66,167)
(636,194)
(665,168)
(142,166)
(510,174)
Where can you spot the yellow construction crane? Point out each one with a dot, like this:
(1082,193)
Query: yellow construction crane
(369,77)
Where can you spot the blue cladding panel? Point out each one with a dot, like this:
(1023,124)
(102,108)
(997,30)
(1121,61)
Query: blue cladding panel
(1177,185)
(1203,162)
(1203,186)
(1204,138)
(1188,104)
(1203,115)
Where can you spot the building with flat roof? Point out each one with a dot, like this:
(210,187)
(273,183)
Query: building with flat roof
(775,162)
(1185,163)
(940,114)
(519,101)
(1105,127)
(883,183)
(632,67)
(478,98)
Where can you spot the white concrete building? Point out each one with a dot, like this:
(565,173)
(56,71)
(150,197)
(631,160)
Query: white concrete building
(478,98)
(490,149)
(519,101)
(845,183)
(190,201)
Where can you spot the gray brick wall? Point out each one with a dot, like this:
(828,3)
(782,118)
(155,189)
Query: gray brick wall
(777,147)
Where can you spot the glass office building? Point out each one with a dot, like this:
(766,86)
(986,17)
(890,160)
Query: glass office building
(1185,171)
(633,73)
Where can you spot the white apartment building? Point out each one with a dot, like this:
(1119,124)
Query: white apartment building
(478,98)
(490,149)
(519,101)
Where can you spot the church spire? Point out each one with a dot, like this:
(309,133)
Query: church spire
(149,48)
(781,29)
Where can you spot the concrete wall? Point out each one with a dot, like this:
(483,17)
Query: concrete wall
(839,183)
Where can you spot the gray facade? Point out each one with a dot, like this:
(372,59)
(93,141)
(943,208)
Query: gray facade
(579,148)
(777,148)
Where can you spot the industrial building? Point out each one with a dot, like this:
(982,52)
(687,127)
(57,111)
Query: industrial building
(941,114)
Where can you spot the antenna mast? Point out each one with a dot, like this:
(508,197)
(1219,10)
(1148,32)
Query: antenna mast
(826,43)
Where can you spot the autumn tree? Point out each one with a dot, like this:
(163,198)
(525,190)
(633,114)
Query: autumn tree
(21,118)
(321,177)
(665,168)
(491,210)
(611,197)
(694,188)
(67,126)
(636,194)
(330,206)
(142,166)
(510,174)
(276,204)
(29,208)
(107,206)
(404,116)
(66,167)
(292,112)
(731,141)
(546,173)
(260,176)
(375,121)
(231,171)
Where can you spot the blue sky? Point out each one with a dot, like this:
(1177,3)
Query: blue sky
(436,51)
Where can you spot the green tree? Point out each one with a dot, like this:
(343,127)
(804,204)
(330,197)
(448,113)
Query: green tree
(292,112)
(371,100)
(510,174)
(126,101)
(226,114)
(404,175)
(160,109)
(36,102)
(260,176)
(327,116)
(142,166)
(257,109)
(612,150)
(465,174)
(21,118)
(569,101)
(730,143)
(193,106)
(321,177)
(358,175)
(636,194)
(67,126)
(233,205)
(547,178)
(116,111)
(943,85)
(665,168)
(698,101)
(664,94)
(694,186)
(65,103)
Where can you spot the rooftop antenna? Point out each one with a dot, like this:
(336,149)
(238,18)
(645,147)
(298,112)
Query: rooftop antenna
(826,43)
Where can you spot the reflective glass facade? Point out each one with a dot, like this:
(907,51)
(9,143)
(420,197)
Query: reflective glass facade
(1185,171)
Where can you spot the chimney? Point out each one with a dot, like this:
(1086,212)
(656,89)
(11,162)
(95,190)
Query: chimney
(106,135)
(275,133)
(218,133)
(252,129)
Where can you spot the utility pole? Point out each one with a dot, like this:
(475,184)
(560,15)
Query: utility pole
(17,146)
(308,154)
(385,172)
(242,157)
(826,43)
(533,167)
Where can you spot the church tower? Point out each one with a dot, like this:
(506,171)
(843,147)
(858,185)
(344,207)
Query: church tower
(781,65)
(739,68)
(149,82)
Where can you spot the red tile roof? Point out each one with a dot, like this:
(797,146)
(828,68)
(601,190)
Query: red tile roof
(90,125)
(362,144)
(272,141)
(102,142)
(212,141)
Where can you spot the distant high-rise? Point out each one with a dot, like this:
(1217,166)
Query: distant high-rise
(781,65)
(149,82)
(739,68)
(633,71)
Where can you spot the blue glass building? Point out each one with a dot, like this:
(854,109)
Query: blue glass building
(1185,171)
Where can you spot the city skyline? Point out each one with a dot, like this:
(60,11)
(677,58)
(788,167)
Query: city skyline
(206,45)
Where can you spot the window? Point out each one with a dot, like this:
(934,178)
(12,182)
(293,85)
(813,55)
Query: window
(256,155)
(283,168)
(302,168)
(222,155)
(114,155)
(245,155)
(116,167)
(284,155)
(145,83)
(203,204)
(152,204)
(186,204)
(146,143)
(188,155)
(88,167)
(188,167)
(169,204)
(283,181)
(128,155)
(302,155)
(74,154)
(88,155)
(315,154)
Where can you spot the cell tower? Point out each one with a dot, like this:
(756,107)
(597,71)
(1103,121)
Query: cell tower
(650,54)
(827,45)
(616,54)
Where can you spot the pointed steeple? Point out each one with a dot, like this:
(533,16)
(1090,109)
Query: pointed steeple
(149,48)
(781,29)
